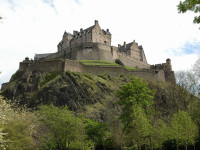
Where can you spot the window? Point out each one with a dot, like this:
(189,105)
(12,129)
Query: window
(105,42)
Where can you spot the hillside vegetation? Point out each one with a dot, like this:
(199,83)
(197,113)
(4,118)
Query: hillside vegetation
(80,111)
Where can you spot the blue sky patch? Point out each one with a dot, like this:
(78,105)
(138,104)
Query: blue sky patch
(191,48)
(187,49)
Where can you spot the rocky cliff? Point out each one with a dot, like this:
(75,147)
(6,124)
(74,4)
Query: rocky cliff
(86,93)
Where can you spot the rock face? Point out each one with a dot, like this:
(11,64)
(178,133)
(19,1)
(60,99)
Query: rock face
(86,93)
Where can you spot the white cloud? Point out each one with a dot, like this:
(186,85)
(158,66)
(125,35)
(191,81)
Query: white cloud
(35,26)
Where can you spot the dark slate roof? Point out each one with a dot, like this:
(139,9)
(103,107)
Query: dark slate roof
(106,32)
(40,56)
(90,28)
(123,48)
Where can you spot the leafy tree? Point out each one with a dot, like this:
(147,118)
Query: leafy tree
(136,99)
(139,128)
(117,134)
(16,128)
(61,129)
(160,133)
(183,129)
(190,5)
(135,93)
(96,132)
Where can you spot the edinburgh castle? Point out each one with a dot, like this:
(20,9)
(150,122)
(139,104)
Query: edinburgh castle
(94,43)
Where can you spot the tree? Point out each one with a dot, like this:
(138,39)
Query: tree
(139,128)
(188,80)
(183,129)
(96,132)
(61,128)
(160,133)
(16,127)
(136,100)
(190,5)
(135,93)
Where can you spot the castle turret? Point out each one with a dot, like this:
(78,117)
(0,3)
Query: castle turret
(168,64)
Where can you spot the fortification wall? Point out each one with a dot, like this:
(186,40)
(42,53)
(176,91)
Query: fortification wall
(118,70)
(131,62)
(170,77)
(75,66)
(58,54)
(149,75)
(43,66)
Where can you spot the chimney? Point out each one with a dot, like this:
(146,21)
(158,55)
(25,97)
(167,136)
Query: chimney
(81,30)
(119,45)
(96,22)
(75,32)
(107,30)
(124,44)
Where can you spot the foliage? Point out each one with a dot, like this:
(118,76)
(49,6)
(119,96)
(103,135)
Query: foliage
(139,128)
(96,132)
(18,135)
(135,98)
(135,93)
(65,131)
(16,128)
(48,78)
(160,133)
(190,5)
(183,129)
(17,75)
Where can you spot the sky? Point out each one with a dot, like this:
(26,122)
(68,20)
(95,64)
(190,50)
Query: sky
(37,26)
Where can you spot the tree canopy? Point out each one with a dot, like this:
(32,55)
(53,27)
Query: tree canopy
(190,5)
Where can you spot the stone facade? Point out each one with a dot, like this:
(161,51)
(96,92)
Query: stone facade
(76,66)
(94,43)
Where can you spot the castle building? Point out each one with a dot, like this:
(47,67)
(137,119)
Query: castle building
(94,43)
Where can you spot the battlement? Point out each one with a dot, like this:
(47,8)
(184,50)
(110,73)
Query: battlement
(164,66)
(76,66)
(94,43)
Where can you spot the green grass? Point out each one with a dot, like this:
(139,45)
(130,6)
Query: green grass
(129,68)
(102,63)
(98,63)
(48,78)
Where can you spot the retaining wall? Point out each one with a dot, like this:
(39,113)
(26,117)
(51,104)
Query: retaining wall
(75,66)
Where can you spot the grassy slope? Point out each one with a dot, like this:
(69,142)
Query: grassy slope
(102,63)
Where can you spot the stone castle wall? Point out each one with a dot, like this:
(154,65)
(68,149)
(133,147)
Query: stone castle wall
(97,51)
(43,66)
(75,66)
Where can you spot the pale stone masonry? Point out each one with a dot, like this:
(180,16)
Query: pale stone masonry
(94,43)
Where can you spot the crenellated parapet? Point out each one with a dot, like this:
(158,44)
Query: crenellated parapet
(167,68)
